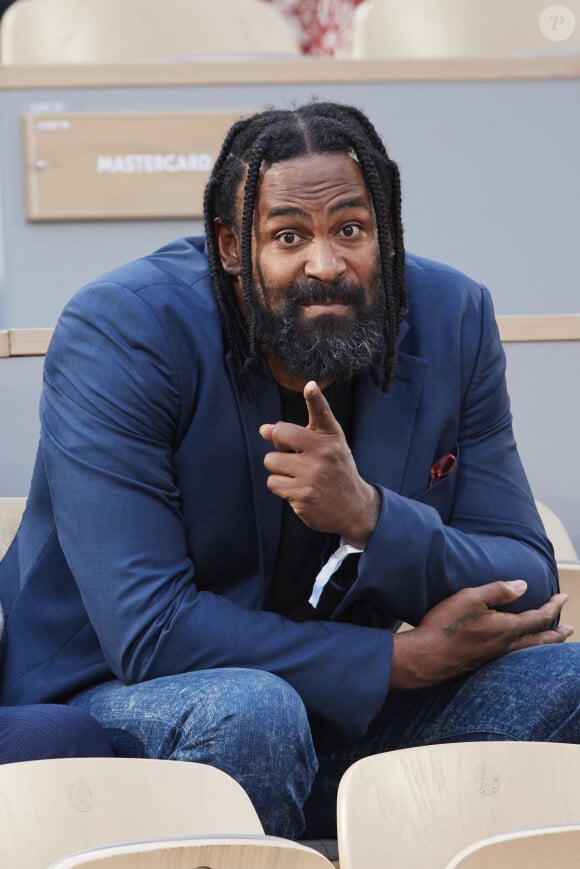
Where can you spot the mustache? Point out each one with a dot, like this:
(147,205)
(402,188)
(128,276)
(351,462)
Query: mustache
(346,292)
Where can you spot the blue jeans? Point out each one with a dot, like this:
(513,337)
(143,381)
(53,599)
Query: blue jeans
(247,723)
(254,726)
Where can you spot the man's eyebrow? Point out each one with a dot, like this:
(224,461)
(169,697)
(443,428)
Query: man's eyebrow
(285,211)
(294,211)
(356,202)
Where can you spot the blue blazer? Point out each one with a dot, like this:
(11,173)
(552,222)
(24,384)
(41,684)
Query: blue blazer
(149,538)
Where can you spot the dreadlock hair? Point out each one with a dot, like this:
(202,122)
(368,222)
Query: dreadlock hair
(271,137)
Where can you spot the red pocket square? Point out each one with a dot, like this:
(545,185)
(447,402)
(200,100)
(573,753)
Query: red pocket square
(442,468)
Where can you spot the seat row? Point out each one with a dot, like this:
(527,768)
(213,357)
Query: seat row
(121,31)
(125,31)
(470,805)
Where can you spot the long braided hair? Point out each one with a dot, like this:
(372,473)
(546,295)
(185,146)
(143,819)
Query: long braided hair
(276,135)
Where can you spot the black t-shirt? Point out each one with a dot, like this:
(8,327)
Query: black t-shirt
(302,551)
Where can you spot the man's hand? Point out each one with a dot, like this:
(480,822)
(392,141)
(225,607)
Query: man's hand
(465,631)
(313,469)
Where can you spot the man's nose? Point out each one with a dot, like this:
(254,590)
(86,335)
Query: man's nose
(324,262)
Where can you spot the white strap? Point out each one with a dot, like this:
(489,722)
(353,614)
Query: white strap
(329,569)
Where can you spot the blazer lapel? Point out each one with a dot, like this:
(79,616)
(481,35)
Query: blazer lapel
(265,407)
(384,424)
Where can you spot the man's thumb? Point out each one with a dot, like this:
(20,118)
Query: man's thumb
(518,585)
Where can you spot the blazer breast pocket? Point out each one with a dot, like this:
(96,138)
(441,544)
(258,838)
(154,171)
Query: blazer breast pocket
(439,492)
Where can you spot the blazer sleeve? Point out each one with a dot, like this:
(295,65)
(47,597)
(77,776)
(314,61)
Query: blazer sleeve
(477,525)
(111,411)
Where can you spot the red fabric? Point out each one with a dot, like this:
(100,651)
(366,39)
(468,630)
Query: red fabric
(324,26)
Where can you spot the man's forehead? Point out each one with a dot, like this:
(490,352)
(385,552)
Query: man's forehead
(318,178)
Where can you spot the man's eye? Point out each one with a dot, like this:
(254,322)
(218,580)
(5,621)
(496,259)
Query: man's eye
(350,230)
(288,237)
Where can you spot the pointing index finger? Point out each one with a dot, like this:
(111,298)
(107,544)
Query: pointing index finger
(320,416)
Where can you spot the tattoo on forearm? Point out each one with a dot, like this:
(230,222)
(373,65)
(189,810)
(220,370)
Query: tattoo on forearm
(461,622)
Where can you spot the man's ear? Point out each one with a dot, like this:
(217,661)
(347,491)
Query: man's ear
(229,249)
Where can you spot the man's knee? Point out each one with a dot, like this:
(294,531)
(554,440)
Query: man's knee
(254,726)
(252,706)
(536,692)
(203,712)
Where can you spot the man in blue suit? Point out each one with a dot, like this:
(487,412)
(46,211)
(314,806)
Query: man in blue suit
(261,452)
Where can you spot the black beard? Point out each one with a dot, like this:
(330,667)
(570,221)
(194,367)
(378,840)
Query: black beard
(328,346)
